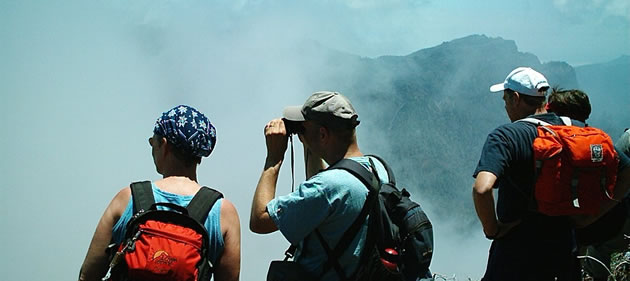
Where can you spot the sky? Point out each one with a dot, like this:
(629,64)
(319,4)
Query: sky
(81,83)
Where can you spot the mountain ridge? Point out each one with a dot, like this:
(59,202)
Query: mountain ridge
(432,110)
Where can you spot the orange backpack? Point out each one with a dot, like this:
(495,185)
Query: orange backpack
(576,168)
(164,244)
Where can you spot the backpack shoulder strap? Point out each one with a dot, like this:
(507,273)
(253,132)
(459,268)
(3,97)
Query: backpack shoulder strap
(202,202)
(390,172)
(371,183)
(566,120)
(534,121)
(142,195)
(357,170)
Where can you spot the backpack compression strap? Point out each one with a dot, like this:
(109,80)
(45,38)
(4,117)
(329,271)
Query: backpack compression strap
(142,194)
(202,202)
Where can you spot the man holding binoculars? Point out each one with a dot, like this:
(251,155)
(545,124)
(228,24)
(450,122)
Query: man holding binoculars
(329,200)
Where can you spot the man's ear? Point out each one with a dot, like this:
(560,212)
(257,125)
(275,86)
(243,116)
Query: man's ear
(165,146)
(516,98)
(324,134)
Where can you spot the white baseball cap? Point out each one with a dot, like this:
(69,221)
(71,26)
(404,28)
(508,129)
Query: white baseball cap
(524,80)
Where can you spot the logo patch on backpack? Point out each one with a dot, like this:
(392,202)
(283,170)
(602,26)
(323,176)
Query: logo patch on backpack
(160,262)
(597,154)
(162,257)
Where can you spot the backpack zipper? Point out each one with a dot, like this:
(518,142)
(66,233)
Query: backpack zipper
(171,236)
(403,250)
(416,229)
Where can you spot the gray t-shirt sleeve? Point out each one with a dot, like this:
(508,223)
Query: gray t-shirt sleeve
(623,149)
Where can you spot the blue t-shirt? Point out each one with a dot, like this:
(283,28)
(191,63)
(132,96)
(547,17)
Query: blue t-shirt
(329,201)
(212,224)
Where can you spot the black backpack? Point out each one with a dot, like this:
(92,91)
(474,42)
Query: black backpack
(399,244)
(164,244)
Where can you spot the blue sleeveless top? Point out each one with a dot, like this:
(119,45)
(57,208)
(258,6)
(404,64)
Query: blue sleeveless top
(212,224)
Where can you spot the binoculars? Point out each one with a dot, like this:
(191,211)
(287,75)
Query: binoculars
(293,127)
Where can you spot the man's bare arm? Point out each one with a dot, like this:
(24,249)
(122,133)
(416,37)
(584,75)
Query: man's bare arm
(260,221)
(484,202)
(276,139)
(229,266)
(96,260)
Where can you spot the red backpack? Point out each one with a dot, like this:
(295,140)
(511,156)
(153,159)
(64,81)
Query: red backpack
(576,168)
(164,244)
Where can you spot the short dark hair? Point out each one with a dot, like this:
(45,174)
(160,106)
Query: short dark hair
(572,103)
(529,100)
(187,158)
(344,131)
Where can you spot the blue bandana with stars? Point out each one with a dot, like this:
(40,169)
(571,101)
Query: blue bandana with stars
(187,129)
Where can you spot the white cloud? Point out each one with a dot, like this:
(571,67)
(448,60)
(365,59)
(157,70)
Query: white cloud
(618,8)
(359,4)
(598,8)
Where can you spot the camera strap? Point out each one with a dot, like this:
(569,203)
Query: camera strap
(292,164)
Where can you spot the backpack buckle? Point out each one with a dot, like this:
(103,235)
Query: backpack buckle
(290,252)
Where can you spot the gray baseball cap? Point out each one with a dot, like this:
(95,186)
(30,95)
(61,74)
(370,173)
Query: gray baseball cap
(328,108)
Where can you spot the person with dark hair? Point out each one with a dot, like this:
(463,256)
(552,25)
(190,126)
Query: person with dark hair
(181,137)
(607,235)
(527,245)
(572,103)
(604,236)
(329,201)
